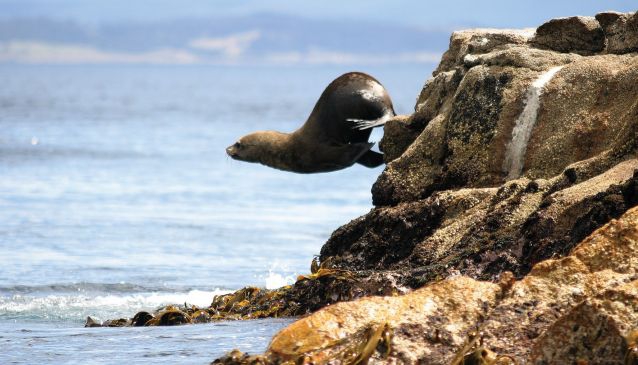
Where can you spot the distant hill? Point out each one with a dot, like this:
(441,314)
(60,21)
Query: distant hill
(254,39)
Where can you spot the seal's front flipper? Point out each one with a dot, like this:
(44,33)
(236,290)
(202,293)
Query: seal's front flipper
(352,152)
(331,158)
(371,159)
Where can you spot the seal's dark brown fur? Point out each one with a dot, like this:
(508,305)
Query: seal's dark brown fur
(331,138)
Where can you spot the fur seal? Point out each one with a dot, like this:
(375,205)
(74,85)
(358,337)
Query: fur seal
(334,136)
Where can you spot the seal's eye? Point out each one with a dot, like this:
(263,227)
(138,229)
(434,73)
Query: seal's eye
(237,145)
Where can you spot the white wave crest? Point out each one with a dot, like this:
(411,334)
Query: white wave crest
(275,280)
(78,307)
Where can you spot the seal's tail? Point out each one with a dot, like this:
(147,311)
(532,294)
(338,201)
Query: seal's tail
(362,124)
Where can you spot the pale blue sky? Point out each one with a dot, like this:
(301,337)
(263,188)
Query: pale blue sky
(427,14)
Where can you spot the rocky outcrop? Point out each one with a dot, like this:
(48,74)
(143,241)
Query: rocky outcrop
(468,112)
(521,145)
(482,232)
(582,307)
(450,201)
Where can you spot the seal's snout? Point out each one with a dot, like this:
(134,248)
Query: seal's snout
(231,151)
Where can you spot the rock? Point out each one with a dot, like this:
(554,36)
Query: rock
(201,316)
(169,316)
(478,41)
(121,322)
(621,31)
(398,133)
(417,172)
(524,57)
(141,319)
(607,18)
(482,232)
(421,314)
(569,215)
(586,333)
(589,107)
(606,261)
(173,317)
(386,238)
(577,34)
(580,307)
(236,357)
(90,322)
(470,111)
(546,297)
(435,96)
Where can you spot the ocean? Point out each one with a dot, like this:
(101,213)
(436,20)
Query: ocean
(116,196)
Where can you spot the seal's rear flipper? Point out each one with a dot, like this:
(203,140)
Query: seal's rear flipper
(371,159)
(362,124)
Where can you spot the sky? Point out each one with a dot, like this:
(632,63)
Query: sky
(233,32)
(423,14)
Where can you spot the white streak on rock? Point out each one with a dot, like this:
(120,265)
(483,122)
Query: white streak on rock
(515,152)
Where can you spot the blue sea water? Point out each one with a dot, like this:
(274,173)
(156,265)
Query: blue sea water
(116,196)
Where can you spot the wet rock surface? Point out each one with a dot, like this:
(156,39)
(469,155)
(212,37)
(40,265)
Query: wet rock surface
(482,232)
(308,294)
(580,308)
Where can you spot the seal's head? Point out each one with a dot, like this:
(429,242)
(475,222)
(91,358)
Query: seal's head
(257,147)
(246,149)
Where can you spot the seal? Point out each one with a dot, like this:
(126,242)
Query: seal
(334,136)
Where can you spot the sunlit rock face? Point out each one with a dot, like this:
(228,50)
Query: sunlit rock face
(467,112)
(577,34)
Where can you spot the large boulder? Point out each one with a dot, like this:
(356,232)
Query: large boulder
(577,34)
(468,112)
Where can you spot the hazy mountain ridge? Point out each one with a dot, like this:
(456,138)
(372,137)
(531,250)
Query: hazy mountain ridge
(262,38)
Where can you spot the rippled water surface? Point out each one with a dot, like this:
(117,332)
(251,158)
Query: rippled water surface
(116,196)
